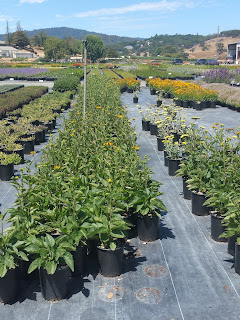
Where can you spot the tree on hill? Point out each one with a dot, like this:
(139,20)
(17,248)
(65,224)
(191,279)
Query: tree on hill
(95,47)
(72,46)
(54,49)
(20,38)
(39,38)
(111,52)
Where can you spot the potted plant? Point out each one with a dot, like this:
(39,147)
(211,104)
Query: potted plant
(135,97)
(173,150)
(53,258)
(11,254)
(7,162)
(110,229)
(147,207)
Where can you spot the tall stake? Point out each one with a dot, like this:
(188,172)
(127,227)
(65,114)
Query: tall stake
(85,79)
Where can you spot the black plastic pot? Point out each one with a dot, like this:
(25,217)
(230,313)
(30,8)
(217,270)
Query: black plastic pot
(129,90)
(237,258)
(135,99)
(132,232)
(173,166)
(147,227)
(110,262)
(146,125)
(6,171)
(152,92)
(160,145)
(197,106)
(165,158)
(10,286)
(159,103)
(197,204)
(54,286)
(79,258)
(153,129)
(28,146)
(187,194)
(185,104)
(217,228)
(231,245)
(39,137)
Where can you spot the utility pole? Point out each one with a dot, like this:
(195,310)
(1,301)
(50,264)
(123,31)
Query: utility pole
(85,79)
(217,41)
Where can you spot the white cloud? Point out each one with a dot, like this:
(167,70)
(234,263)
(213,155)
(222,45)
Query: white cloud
(160,6)
(32,1)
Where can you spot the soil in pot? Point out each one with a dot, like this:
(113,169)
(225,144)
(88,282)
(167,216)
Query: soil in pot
(54,286)
(198,208)
(10,286)
(110,262)
(148,228)
(217,228)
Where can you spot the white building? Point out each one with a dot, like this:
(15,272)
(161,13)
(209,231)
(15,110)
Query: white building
(7,51)
(234,51)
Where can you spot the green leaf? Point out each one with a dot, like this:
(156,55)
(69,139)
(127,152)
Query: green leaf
(69,260)
(22,255)
(113,246)
(34,265)
(50,241)
(51,267)
(3,270)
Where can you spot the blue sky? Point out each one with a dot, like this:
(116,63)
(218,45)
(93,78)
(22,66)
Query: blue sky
(134,18)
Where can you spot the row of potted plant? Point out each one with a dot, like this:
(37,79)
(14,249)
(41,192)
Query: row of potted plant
(16,99)
(128,84)
(208,163)
(90,188)
(183,92)
(26,127)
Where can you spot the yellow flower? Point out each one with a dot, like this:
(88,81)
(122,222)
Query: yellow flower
(72,134)
(57,167)
(135,147)
(119,116)
(234,136)
(195,118)
(98,107)
(109,180)
(33,152)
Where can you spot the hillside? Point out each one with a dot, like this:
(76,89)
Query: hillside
(63,32)
(208,50)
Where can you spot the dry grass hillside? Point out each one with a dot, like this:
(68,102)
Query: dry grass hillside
(197,52)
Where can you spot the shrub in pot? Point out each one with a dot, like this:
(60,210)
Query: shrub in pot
(147,207)
(53,258)
(110,228)
(11,254)
(7,162)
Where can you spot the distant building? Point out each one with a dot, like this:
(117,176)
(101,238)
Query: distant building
(234,51)
(10,52)
(76,59)
(7,51)
(129,47)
